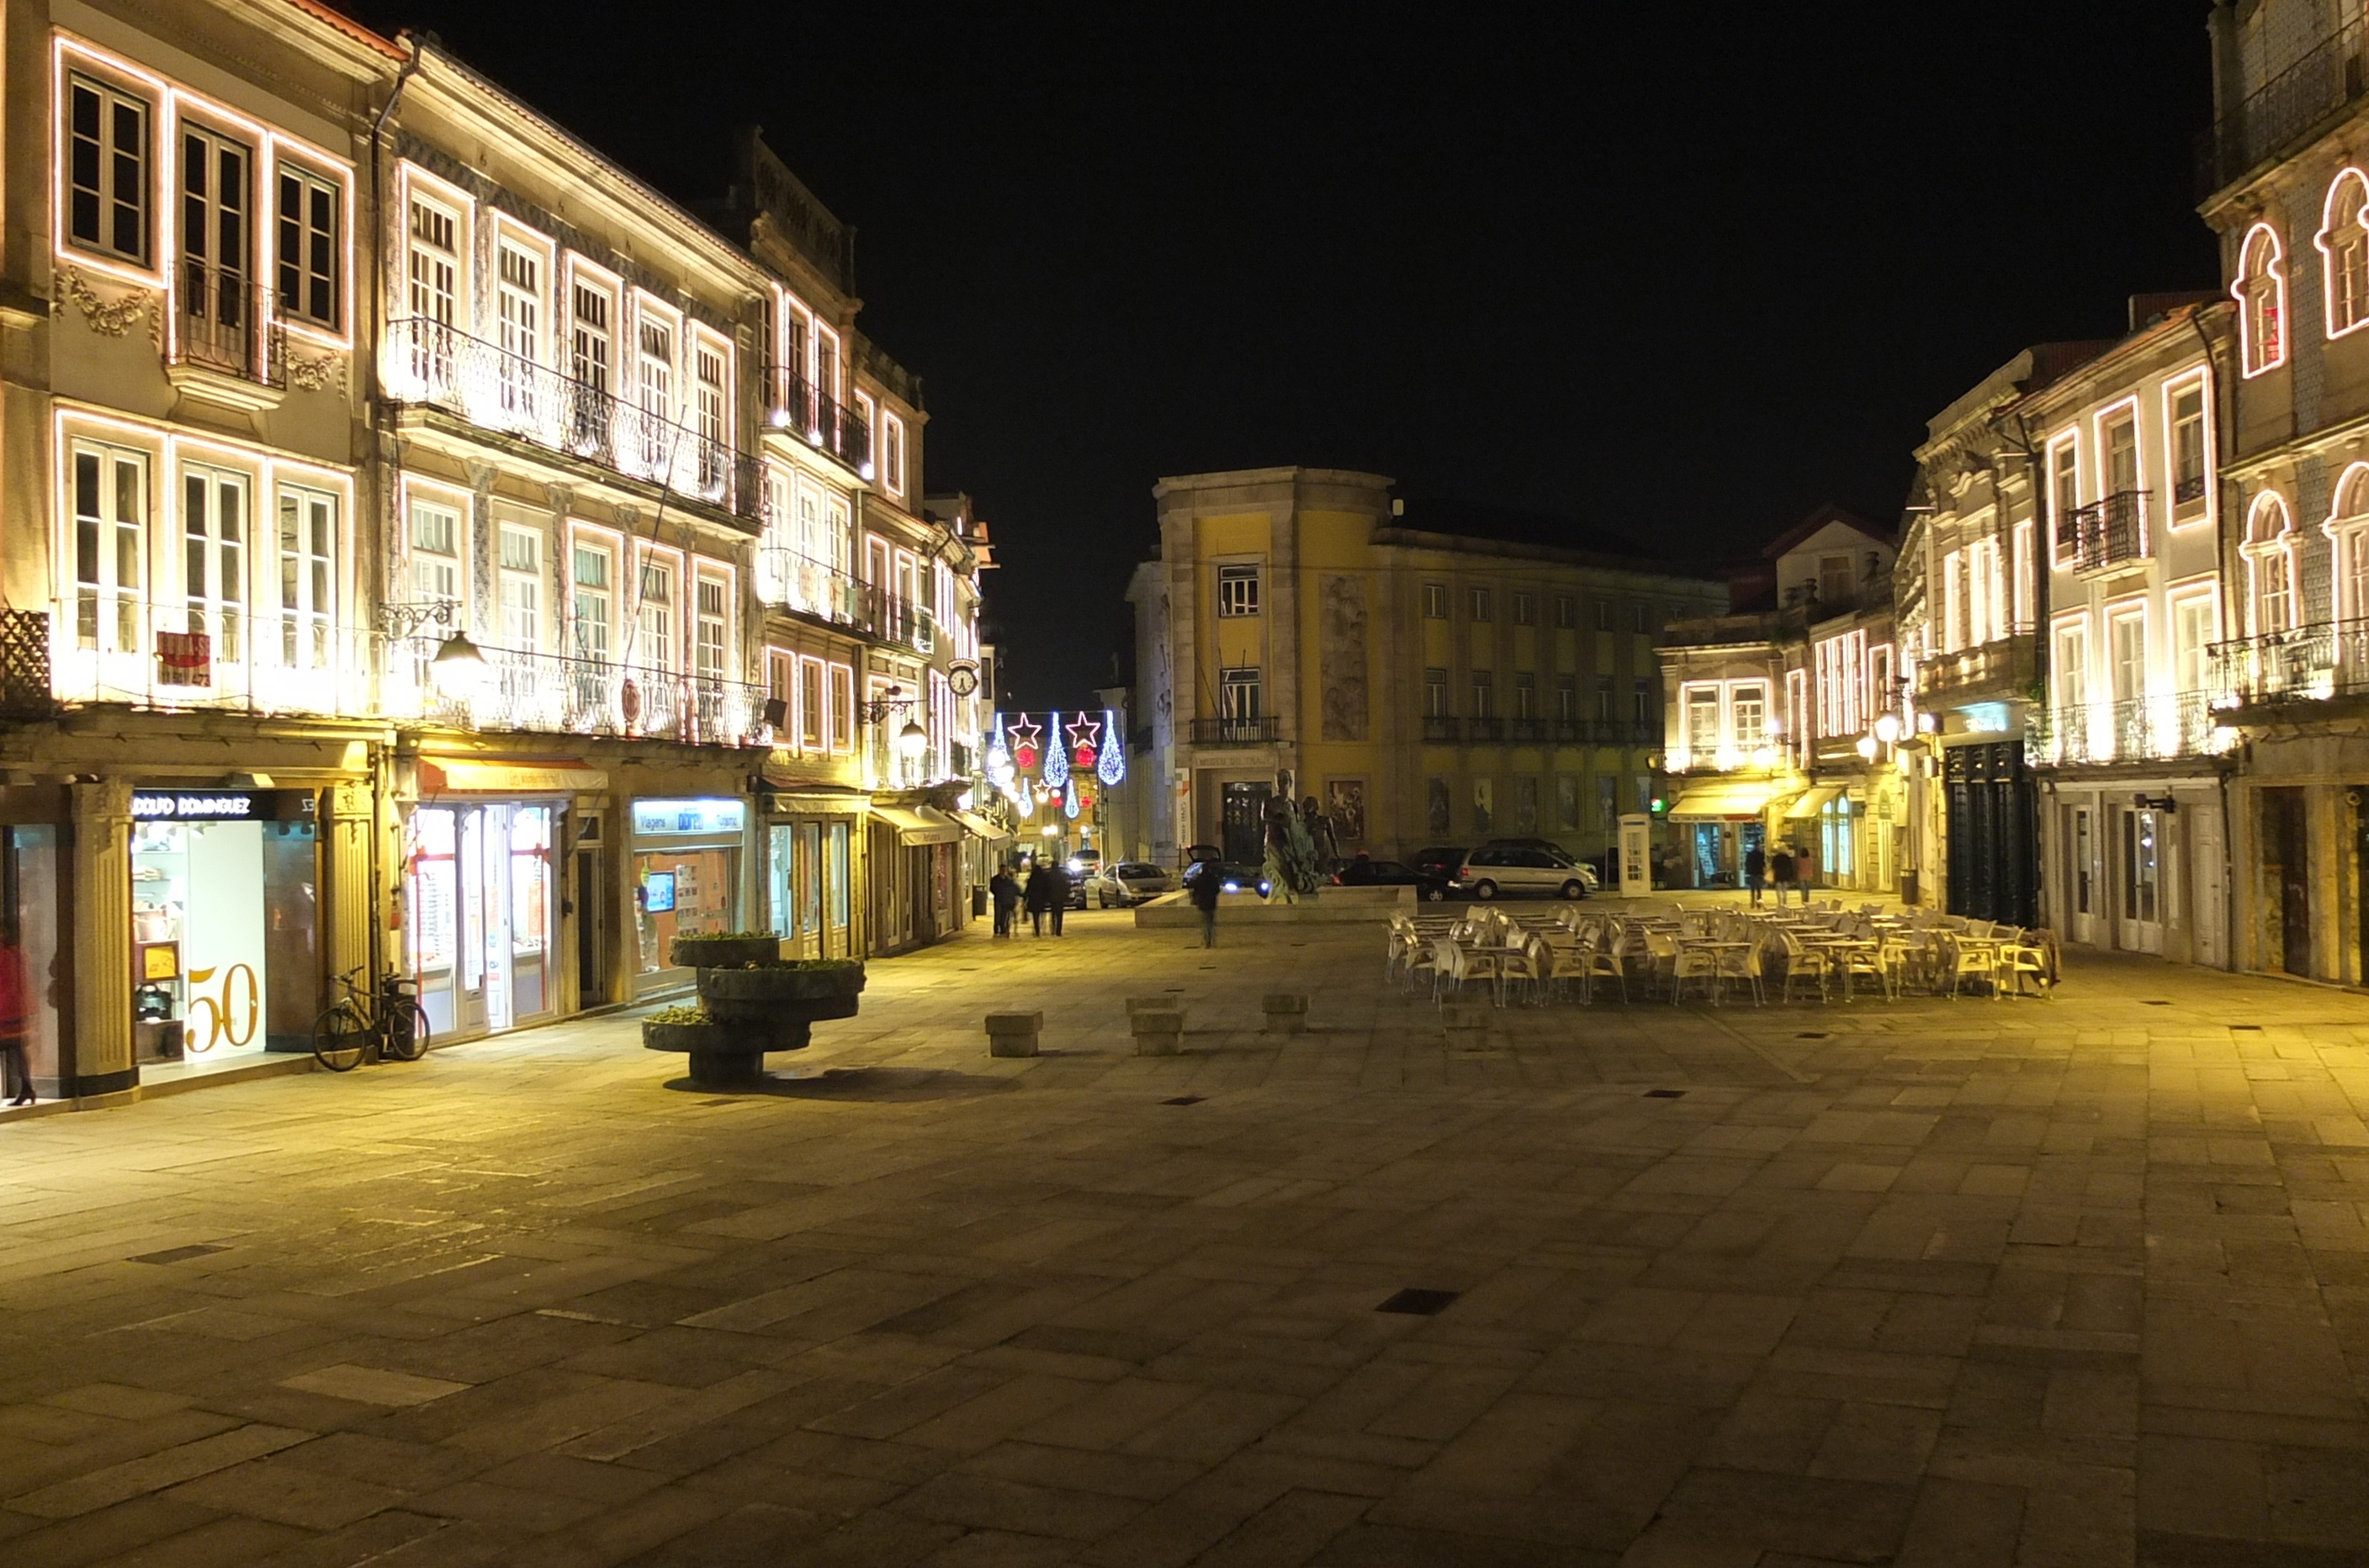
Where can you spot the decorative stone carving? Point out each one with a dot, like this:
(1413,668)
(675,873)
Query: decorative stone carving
(107,320)
(314,375)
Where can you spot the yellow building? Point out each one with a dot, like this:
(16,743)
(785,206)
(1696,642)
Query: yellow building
(1298,632)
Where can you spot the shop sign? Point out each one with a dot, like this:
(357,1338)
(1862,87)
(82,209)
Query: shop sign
(216,806)
(662,818)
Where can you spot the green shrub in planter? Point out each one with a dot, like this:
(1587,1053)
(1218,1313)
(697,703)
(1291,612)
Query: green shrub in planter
(723,949)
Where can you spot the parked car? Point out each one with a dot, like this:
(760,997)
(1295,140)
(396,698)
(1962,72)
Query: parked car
(1588,870)
(1130,882)
(1428,887)
(1488,873)
(1233,876)
(1440,860)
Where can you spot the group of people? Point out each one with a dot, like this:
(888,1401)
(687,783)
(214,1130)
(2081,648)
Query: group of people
(1047,892)
(1789,867)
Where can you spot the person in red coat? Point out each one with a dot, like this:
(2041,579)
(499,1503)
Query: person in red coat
(16,1024)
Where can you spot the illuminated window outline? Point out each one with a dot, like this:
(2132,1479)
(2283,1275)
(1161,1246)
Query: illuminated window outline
(892,452)
(2099,422)
(2204,587)
(609,542)
(842,709)
(708,569)
(2201,378)
(2347,530)
(578,272)
(644,555)
(2349,187)
(2270,550)
(2060,554)
(2260,291)
(453,498)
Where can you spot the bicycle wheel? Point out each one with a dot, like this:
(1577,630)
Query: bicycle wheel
(340,1037)
(407,1032)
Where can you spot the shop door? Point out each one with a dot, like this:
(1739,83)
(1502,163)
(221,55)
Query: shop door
(1244,835)
(2082,876)
(2286,870)
(592,947)
(2142,867)
(2209,877)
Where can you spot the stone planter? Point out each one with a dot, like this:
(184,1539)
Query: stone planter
(753,1011)
(722,952)
(1286,1015)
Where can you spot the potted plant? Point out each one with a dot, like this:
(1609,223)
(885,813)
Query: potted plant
(723,949)
(759,1004)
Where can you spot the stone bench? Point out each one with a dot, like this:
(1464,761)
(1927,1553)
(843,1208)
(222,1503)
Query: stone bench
(1159,1031)
(1287,1012)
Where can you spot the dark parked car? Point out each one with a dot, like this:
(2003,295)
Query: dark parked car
(1438,861)
(1394,874)
(1233,876)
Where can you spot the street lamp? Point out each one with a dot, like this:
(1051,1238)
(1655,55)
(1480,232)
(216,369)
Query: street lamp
(459,668)
(1887,728)
(912,740)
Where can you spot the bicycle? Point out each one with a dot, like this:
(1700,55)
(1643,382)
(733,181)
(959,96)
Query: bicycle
(361,1024)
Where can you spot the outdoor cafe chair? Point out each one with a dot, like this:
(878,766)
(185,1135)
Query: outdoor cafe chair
(2019,957)
(1968,958)
(1740,964)
(1804,962)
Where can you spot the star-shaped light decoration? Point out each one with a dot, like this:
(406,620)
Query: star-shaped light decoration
(1024,735)
(1085,735)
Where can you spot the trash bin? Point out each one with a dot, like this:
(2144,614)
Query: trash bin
(1907,887)
(979,903)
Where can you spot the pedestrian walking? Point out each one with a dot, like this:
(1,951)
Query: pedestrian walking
(1202,879)
(1003,892)
(1782,865)
(1038,896)
(1756,871)
(1057,900)
(1805,871)
(16,1024)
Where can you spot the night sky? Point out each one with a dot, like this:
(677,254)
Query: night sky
(1679,278)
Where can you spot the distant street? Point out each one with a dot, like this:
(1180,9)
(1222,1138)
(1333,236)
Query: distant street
(2081,1282)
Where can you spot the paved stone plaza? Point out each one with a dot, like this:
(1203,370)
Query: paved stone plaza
(2083,1282)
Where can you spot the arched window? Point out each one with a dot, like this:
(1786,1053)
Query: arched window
(2261,296)
(2270,552)
(2344,240)
(2348,536)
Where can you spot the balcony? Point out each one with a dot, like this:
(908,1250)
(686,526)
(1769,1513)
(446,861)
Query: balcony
(555,694)
(788,580)
(2280,113)
(2135,729)
(1233,731)
(428,363)
(2309,664)
(795,406)
(108,646)
(2106,535)
(1997,671)
(226,347)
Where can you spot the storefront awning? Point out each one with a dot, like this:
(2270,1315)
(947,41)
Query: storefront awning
(1812,801)
(445,775)
(920,824)
(979,827)
(1724,801)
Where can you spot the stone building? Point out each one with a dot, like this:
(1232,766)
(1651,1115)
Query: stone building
(429,550)
(1427,688)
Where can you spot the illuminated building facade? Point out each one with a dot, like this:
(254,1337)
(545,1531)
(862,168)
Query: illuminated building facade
(2286,182)
(1786,718)
(429,550)
(1425,688)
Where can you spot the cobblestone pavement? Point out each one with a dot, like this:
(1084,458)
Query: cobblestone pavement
(2080,1282)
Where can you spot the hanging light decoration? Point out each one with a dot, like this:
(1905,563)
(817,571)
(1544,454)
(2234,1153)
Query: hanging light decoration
(1111,766)
(1069,800)
(1057,761)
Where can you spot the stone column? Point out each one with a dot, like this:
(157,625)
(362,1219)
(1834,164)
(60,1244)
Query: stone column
(349,901)
(98,1058)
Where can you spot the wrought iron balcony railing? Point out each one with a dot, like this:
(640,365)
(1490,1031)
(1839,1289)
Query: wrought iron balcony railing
(793,581)
(2272,119)
(223,322)
(563,694)
(2106,533)
(1233,731)
(427,362)
(2306,664)
(110,647)
(2003,667)
(2164,727)
(795,404)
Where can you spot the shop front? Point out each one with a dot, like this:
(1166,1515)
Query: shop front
(809,867)
(225,923)
(685,874)
(1719,822)
(483,891)
(34,982)
(911,876)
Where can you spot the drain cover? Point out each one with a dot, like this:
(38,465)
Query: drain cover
(1185,1100)
(2154,1004)
(180,1255)
(1812,1036)
(1419,1303)
(2254,1027)
(1666,1094)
